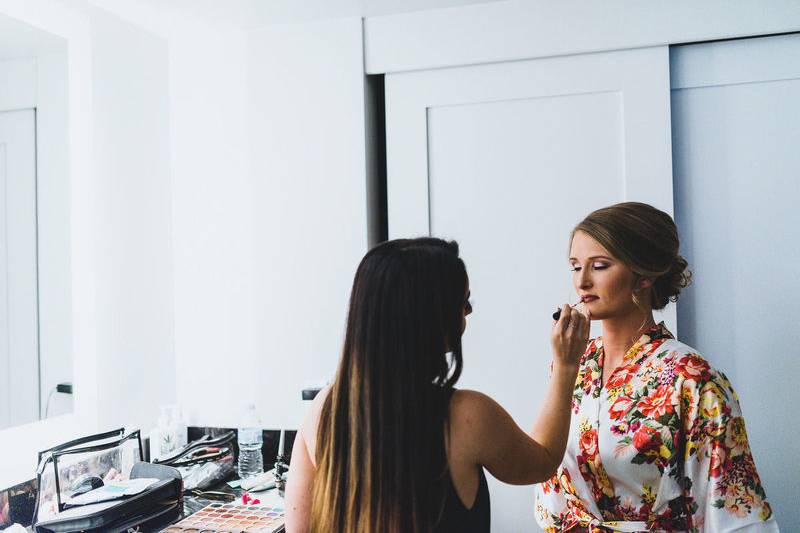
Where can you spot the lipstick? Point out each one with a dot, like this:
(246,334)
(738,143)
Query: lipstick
(557,314)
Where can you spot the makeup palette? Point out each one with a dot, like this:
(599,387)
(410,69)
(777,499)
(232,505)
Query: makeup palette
(231,518)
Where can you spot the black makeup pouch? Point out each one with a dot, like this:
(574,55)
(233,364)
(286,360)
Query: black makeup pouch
(100,484)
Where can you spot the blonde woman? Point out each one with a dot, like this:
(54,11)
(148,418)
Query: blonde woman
(658,441)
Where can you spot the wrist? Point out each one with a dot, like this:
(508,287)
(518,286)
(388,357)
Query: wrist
(565,368)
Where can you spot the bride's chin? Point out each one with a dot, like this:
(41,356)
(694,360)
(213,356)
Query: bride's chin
(602,313)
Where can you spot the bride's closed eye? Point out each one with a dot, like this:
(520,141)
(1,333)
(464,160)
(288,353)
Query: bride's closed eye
(596,266)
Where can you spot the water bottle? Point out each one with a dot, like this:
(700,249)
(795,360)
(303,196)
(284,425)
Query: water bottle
(251,462)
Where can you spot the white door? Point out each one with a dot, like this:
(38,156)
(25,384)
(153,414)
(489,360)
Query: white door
(19,353)
(736,132)
(506,158)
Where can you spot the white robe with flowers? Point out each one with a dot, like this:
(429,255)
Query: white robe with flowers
(662,447)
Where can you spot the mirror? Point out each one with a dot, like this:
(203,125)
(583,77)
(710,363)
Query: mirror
(35,325)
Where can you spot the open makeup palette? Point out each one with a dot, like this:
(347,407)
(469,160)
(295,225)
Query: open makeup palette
(232,518)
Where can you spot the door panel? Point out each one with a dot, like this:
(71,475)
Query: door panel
(736,127)
(506,159)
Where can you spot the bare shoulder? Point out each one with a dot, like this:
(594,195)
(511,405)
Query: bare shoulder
(466,401)
(483,433)
(472,411)
(308,431)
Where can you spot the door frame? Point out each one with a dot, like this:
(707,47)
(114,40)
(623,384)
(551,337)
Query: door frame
(510,31)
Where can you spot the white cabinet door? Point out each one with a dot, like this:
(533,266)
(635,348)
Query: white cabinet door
(506,158)
(736,128)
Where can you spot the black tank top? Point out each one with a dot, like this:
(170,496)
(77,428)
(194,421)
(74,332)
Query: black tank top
(458,519)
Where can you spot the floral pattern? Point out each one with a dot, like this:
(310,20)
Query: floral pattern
(663,444)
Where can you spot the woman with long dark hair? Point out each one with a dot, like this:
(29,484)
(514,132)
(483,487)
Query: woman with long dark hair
(391,446)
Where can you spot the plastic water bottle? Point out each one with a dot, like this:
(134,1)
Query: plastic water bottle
(251,462)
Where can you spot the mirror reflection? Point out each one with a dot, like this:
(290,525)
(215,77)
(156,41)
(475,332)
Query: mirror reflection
(35,361)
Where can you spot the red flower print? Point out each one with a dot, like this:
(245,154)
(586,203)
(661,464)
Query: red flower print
(693,367)
(621,376)
(647,439)
(718,459)
(659,402)
(588,444)
(620,407)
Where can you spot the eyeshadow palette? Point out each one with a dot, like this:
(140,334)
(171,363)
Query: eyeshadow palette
(231,518)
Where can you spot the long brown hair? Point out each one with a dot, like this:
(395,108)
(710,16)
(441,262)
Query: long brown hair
(646,240)
(380,453)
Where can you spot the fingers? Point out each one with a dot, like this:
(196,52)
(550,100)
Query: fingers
(564,320)
(587,314)
(575,319)
(579,326)
(587,325)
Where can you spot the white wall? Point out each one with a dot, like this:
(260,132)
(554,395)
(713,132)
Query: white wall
(269,212)
(132,196)
(307,140)
(213,232)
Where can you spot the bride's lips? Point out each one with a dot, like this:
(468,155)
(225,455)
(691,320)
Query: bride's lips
(586,298)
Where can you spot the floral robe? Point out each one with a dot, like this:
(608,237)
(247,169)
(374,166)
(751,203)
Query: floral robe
(661,447)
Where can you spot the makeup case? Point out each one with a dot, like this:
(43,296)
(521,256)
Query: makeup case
(72,473)
(203,462)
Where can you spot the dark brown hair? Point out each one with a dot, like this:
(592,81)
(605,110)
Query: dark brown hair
(646,240)
(380,452)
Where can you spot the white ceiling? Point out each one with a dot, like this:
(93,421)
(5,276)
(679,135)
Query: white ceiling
(253,13)
(162,16)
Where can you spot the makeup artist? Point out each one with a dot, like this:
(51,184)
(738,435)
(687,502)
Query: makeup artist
(391,446)
(658,441)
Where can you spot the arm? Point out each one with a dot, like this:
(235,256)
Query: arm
(298,488)
(724,492)
(498,443)
(552,426)
(302,469)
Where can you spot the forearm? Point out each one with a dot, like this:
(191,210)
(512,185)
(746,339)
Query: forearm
(551,429)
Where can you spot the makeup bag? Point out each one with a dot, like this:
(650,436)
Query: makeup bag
(73,473)
(203,462)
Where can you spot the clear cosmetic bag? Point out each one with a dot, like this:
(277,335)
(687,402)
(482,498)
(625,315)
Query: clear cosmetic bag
(70,474)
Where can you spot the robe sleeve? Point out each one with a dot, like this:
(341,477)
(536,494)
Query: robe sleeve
(721,485)
(552,512)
